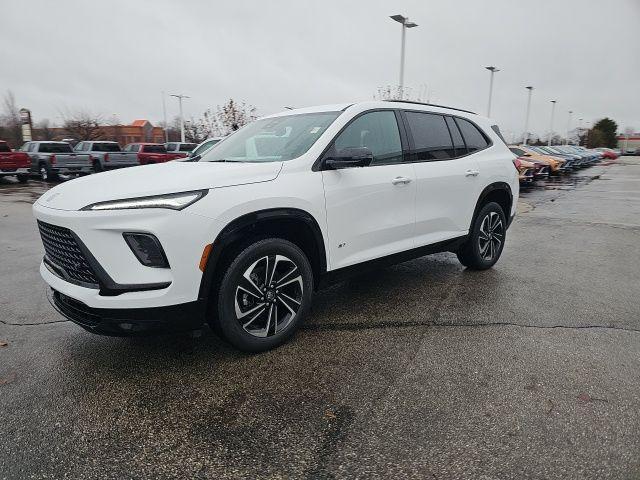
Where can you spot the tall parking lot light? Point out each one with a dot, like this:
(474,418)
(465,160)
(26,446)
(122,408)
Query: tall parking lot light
(526,118)
(553,112)
(404,21)
(493,70)
(180,97)
(568,126)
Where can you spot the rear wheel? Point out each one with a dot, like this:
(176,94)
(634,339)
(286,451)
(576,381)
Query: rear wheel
(264,295)
(484,245)
(46,174)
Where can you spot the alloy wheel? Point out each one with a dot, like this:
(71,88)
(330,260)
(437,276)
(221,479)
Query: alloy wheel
(268,295)
(491,236)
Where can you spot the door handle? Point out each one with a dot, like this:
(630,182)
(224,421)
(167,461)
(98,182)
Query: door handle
(471,173)
(401,181)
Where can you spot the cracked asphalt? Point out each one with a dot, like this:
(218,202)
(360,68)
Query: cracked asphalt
(422,370)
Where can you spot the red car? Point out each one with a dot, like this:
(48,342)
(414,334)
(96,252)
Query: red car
(149,153)
(607,153)
(14,163)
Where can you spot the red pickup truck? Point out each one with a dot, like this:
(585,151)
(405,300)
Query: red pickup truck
(150,153)
(14,163)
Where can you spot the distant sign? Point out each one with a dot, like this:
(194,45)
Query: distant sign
(25,116)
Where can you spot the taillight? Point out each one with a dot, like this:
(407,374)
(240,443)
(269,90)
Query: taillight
(517,163)
(52,159)
(106,157)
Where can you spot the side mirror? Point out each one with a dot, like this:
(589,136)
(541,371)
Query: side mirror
(349,157)
(527,154)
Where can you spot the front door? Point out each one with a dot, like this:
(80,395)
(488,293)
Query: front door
(370,210)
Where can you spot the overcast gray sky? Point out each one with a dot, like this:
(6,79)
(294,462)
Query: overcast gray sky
(116,56)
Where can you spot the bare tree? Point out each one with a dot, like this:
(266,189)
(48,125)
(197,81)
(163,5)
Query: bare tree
(43,131)
(10,122)
(82,125)
(224,120)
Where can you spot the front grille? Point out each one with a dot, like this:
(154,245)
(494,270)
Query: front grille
(63,251)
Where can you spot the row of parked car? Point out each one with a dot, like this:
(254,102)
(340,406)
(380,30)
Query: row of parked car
(534,162)
(48,159)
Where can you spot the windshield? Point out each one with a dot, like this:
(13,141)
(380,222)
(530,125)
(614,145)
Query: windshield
(106,147)
(55,148)
(272,139)
(4,147)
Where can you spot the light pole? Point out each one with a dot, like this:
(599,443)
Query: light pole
(404,21)
(180,97)
(568,126)
(580,131)
(164,115)
(493,70)
(526,118)
(553,111)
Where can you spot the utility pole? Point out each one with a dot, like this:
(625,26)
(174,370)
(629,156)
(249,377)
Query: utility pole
(493,70)
(553,111)
(526,118)
(180,97)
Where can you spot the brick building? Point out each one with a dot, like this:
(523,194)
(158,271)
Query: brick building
(138,131)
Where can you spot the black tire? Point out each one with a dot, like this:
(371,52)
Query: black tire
(254,330)
(483,247)
(45,173)
(23,178)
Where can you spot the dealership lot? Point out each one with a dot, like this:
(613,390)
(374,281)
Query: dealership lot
(423,370)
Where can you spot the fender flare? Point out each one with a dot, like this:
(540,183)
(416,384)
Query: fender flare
(496,186)
(233,231)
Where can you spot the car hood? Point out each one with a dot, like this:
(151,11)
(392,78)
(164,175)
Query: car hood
(143,181)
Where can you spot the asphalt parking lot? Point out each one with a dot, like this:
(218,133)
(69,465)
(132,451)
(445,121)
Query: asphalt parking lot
(422,370)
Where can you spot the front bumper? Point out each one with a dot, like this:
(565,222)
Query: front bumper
(101,234)
(132,321)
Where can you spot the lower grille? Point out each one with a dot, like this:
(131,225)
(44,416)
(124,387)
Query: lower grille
(63,251)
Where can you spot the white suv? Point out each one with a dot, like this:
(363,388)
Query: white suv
(242,236)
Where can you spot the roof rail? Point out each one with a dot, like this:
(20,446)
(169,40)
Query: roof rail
(431,105)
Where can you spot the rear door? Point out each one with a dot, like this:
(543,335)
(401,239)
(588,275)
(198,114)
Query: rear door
(446,174)
(370,210)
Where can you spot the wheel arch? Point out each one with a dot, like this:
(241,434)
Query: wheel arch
(499,192)
(293,224)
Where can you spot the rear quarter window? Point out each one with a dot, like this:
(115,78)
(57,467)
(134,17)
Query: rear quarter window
(473,137)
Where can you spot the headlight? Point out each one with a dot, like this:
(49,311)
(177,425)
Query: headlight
(174,201)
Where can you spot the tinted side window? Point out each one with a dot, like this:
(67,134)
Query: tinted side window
(430,136)
(456,136)
(473,138)
(378,131)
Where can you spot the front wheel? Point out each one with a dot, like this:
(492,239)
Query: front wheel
(483,247)
(23,178)
(264,295)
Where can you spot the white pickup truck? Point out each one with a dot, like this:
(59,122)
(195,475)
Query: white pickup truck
(106,155)
(50,159)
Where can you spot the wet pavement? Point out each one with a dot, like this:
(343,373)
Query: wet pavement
(422,370)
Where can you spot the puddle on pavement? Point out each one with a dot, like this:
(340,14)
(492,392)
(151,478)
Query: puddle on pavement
(15,192)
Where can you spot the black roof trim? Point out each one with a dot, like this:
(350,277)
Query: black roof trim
(431,105)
